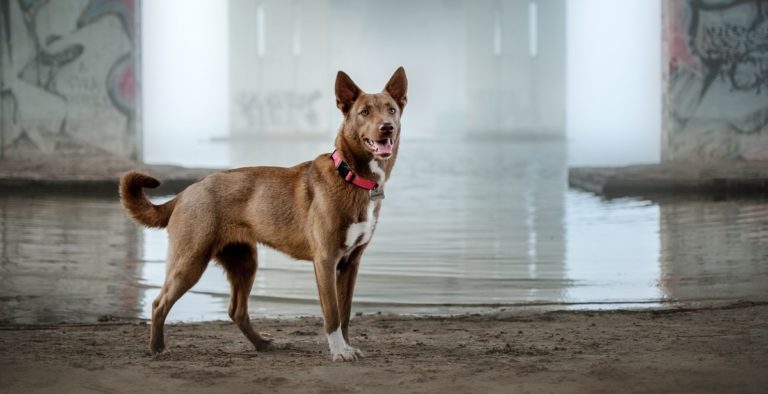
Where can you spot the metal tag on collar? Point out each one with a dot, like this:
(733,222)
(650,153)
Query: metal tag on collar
(377,194)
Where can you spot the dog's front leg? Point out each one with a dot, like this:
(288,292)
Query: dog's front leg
(325,274)
(346,275)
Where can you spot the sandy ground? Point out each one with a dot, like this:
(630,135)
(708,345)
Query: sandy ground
(722,349)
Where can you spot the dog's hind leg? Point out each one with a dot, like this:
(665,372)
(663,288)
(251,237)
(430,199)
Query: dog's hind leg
(184,270)
(239,260)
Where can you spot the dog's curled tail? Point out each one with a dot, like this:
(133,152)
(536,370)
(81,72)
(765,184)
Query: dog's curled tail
(136,202)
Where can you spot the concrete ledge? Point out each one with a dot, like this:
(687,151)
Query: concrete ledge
(673,178)
(101,176)
(88,175)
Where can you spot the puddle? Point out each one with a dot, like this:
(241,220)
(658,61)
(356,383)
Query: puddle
(465,227)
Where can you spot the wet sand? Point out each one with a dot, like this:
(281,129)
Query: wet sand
(715,349)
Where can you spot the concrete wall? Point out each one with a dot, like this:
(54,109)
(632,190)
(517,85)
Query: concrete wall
(279,74)
(715,80)
(511,87)
(469,64)
(69,77)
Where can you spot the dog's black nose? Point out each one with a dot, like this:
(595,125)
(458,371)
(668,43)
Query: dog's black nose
(386,128)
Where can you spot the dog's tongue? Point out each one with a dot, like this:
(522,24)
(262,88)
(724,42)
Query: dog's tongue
(384,146)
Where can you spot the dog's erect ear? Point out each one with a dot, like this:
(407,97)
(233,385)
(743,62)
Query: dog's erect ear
(397,87)
(346,92)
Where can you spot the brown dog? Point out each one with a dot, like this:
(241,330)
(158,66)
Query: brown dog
(323,210)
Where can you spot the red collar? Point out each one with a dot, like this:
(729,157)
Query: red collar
(348,175)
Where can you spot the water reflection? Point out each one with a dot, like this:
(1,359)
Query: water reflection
(613,249)
(66,259)
(463,224)
(479,224)
(723,244)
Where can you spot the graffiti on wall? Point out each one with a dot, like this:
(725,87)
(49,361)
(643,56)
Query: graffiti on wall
(68,77)
(716,79)
(278,111)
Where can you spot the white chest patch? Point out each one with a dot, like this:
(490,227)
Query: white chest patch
(374,166)
(360,233)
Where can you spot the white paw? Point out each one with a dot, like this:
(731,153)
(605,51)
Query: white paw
(347,354)
(340,349)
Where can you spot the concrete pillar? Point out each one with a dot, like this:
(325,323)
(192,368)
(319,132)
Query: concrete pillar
(515,67)
(69,78)
(715,84)
(280,82)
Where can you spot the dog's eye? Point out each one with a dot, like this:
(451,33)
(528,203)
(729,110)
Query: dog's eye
(391,110)
(364,112)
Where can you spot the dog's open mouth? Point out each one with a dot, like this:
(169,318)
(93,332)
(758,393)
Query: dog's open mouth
(381,147)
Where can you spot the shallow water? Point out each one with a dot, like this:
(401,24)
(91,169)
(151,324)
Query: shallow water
(465,227)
